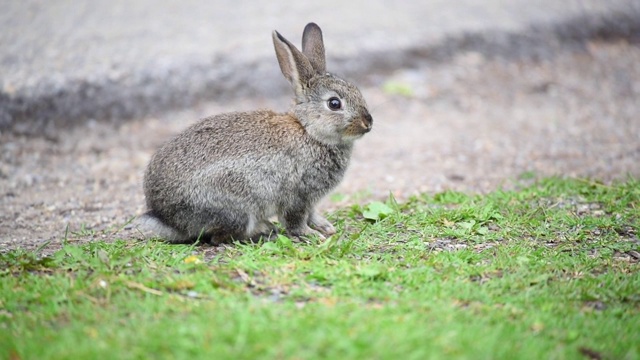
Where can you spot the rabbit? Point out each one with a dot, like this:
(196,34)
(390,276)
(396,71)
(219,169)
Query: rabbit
(224,177)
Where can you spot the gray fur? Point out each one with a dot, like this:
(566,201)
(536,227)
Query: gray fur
(313,47)
(225,176)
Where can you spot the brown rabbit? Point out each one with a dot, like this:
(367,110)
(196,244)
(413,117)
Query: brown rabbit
(225,176)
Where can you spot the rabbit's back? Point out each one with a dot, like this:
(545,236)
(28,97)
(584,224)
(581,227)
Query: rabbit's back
(230,136)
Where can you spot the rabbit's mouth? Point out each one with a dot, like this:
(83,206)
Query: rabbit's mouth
(359,127)
(364,123)
(367,122)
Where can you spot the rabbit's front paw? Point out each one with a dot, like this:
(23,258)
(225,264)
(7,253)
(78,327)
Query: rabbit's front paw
(304,233)
(321,224)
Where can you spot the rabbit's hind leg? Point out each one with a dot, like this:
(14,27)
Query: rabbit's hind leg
(264,230)
(217,226)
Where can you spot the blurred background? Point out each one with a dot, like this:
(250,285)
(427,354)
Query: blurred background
(65,61)
(470,95)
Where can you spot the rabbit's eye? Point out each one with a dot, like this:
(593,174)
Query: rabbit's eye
(334,103)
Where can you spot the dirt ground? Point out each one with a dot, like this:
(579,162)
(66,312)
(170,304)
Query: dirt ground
(472,124)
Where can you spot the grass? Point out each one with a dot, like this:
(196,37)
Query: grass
(550,271)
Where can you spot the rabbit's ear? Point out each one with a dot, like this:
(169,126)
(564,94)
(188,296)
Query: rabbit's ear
(294,65)
(313,47)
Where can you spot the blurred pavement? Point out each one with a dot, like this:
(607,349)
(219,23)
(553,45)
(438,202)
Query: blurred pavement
(64,62)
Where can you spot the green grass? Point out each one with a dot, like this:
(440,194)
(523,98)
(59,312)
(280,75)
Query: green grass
(546,272)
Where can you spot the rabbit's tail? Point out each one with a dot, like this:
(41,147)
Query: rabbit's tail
(150,223)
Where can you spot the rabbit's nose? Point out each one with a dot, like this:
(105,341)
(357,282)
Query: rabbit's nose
(367,121)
